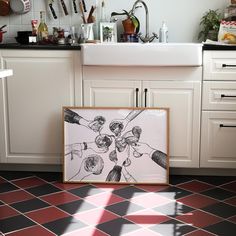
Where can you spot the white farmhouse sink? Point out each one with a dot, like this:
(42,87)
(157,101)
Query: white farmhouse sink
(139,54)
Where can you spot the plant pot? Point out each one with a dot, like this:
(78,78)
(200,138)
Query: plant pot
(128,25)
(213,35)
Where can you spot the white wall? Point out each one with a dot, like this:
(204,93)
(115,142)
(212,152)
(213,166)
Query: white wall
(181,16)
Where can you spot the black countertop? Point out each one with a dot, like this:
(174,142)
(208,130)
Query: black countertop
(219,47)
(39,46)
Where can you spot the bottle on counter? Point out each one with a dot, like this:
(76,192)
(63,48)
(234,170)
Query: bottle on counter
(43,28)
(163,33)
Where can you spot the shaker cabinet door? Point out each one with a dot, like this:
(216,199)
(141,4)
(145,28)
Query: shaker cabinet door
(31,105)
(183,100)
(111,93)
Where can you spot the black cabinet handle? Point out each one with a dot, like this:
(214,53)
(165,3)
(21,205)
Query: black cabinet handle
(225,65)
(227,126)
(228,96)
(145,97)
(137,91)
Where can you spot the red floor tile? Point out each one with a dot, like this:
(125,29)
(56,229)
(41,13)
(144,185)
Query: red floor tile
(2,180)
(197,201)
(147,218)
(6,212)
(231,186)
(67,186)
(109,187)
(195,186)
(152,188)
(96,216)
(15,196)
(104,199)
(32,231)
(199,218)
(231,201)
(232,219)
(150,200)
(29,182)
(60,198)
(46,215)
(199,233)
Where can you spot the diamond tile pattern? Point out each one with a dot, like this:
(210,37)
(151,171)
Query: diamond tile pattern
(33,203)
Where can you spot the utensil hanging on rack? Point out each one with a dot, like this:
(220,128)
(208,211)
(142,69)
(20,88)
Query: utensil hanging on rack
(50,4)
(4,7)
(84,6)
(75,6)
(64,7)
(82,12)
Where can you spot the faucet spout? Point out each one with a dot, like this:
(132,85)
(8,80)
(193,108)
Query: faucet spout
(146,38)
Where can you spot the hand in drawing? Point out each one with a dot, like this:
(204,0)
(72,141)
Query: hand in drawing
(92,164)
(119,125)
(74,118)
(157,156)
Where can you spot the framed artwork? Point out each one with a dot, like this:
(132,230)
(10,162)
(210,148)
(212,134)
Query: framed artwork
(108,32)
(116,145)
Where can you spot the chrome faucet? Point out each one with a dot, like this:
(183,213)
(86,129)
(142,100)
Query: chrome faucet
(146,38)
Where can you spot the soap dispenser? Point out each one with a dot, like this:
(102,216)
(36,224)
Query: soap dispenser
(163,34)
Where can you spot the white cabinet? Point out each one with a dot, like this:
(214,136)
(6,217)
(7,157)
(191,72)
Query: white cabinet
(218,127)
(176,88)
(31,103)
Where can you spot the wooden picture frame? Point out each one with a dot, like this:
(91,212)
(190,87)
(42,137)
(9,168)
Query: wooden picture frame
(116,145)
(108,32)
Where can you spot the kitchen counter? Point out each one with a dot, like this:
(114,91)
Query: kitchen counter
(5,73)
(40,47)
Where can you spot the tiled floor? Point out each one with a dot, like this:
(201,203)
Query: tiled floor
(39,204)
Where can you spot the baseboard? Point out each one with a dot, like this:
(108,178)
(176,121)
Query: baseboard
(173,171)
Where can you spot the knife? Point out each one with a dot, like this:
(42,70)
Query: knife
(50,2)
(82,12)
(64,7)
(74,6)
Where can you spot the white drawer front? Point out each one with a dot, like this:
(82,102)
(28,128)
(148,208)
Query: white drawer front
(219,95)
(219,65)
(218,139)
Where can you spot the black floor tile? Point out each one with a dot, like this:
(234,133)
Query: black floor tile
(129,192)
(215,180)
(14,223)
(76,207)
(124,208)
(221,209)
(29,205)
(172,227)
(43,190)
(223,228)
(174,193)
(49,176)
(6,187)
(173,209)
(65,225)
(179,179)
(118,227)
(218,193)
(85,191)
(13,175)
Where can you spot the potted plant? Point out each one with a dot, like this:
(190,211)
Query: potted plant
(131,23)
(210,24)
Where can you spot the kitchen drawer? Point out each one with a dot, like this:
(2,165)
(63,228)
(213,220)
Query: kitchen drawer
(219,65)
(218,137)
(218,95)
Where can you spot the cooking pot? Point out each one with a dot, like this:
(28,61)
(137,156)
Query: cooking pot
(1,35)
(20,6)
(23,37)
(4,7)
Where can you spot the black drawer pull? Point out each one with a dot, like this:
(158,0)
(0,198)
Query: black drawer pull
(145,97)
(227,126)
(225,65)
(228,96)
(136,91)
